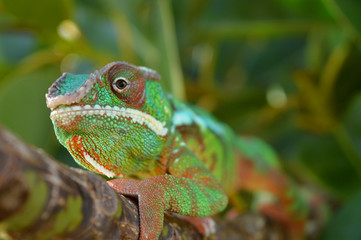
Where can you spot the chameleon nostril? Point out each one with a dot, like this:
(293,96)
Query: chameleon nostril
(55,88)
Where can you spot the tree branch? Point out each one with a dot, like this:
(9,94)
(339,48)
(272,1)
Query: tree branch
(43,199)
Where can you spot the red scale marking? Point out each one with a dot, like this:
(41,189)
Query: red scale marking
(78,147)
(75,146)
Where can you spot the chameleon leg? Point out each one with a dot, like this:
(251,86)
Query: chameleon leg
(151,204)
(188,189)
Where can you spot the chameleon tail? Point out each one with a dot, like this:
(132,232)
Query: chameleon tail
(273,193)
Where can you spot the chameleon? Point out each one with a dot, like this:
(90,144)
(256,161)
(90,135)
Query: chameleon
(119,122)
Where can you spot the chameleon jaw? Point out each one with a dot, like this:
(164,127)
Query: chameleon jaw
(99,167)
(66,114)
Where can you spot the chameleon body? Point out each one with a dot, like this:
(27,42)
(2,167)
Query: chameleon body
(118,121)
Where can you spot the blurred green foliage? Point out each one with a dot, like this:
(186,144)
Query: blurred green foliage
(285,70)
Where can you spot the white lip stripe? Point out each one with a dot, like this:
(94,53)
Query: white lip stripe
(99,167)
(136,116)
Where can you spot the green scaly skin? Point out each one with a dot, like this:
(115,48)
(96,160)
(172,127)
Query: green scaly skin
(174,157)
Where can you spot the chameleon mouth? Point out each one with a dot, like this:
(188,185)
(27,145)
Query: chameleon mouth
(100,168)
(65,114)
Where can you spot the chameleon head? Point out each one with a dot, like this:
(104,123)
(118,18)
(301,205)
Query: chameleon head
(114,120)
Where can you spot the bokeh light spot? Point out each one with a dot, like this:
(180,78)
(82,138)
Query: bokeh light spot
(68,30)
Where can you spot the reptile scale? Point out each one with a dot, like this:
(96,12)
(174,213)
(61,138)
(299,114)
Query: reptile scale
(118,122)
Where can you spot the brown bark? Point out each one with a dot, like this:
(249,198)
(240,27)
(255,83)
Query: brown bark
(43,199)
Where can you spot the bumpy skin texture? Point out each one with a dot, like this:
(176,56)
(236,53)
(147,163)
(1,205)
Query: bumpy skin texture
(174,157)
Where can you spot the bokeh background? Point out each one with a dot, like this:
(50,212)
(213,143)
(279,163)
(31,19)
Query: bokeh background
(288,71)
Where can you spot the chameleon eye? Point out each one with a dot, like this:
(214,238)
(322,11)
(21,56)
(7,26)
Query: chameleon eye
(127,83)
(120,84)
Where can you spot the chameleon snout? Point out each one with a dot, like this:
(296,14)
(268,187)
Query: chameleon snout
(69,89)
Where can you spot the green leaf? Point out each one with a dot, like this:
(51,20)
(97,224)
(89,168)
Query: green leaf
(353,116)
(329,162)
(41,14)
(14,46)
(350,10)
(23,109)
(347,84)
(353,125)
(346,223)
